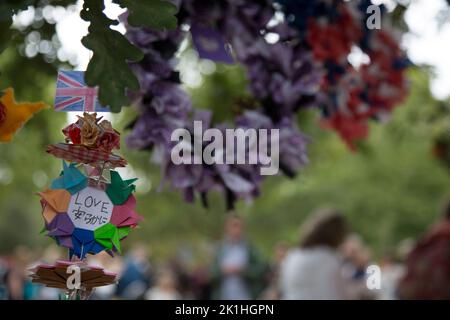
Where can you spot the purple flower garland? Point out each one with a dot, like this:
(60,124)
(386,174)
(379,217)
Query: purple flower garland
(283,77)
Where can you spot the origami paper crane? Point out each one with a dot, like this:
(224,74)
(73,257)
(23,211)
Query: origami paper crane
(85,211)
(123,232)
(83,240)
(82,216)
(119,190)
(13,115)
(47,212)
(61,228)
(124,215)
(108,236)
(57,199)
(84,243)
(64,241)
(71,179)
(61,225)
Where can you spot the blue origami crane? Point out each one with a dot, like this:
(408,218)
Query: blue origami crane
(71,179)
(84,243)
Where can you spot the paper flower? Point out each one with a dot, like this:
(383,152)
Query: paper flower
(56,276)
(13,115)
(90,132)
(89,141)
(88,216)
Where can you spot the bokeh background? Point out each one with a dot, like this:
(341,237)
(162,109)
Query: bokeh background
(391,189)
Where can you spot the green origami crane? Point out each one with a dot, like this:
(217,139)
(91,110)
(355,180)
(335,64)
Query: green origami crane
(119,190)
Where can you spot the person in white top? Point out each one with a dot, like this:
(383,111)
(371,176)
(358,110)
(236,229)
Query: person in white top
(313,270)
(165,288)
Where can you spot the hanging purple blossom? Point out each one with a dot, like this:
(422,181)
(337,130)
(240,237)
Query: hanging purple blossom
(288,68)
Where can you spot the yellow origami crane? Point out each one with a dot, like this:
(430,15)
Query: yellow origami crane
(57,199)
(13,115)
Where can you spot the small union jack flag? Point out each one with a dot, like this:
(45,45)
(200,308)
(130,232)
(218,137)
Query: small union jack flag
(72,94)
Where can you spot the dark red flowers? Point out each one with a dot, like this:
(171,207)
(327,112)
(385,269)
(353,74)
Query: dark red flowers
(2,113)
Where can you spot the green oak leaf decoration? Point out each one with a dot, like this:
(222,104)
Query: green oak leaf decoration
(108,68)
(154,14)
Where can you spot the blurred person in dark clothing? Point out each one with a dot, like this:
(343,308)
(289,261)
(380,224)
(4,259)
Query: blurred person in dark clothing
(428,265)
(238,270)
(136,276)
(272,292)
(15,278)
(200,282)
(180,272)
(3,272)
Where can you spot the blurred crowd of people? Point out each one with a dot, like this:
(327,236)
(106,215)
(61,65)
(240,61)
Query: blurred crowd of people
(329,262)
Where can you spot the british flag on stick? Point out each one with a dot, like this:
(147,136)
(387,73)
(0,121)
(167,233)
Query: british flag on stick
(72,94)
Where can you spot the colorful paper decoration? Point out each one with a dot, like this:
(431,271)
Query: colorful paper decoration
(13,115)
(89,141)
(72,94)
(85,218)
(119,190)
(71,179)
(89,208)
(56,276)
(82,154)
